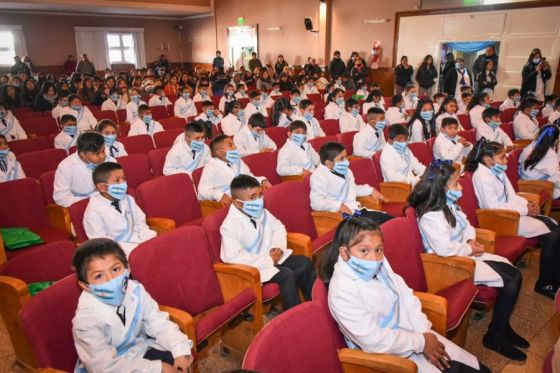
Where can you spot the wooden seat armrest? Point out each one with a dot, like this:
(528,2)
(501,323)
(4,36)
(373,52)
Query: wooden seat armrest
(301,244)
(443,272)
(354,361)
(536,187)
(395,191)
(48,370)
(531,197)
(520,144)
(325,221)
(435,308)
(207,207)
(503,222)
(3,256)
(354,157)
(487,238)
(59,217)
(183,319)
(291,178)
(370,202)
(161,225)
(234,278)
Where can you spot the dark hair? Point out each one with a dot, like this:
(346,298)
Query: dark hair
(104,123)
(243,182)
(279,105)
(102,172)
(95,248)
(490,112)
(425,61)
(464,95)
(549,98)
(73,97)
(374,93)
(350,103)
(330,151)
(158,88)
(477,99)
(206,104)
(557,103)
(481,149)
(428,127)
(348,233)
(89,142)
(257,120)
(548,135)
(527,102)
(512,92)
(443,106)
(297,124)
(448,121)
(196,126)
(429,194)
(396,99)
(142,109)
(396,130)
(254,94)
(217,141)
(374,111)
(438,95)
(304,104)
(332,95)
(65,118)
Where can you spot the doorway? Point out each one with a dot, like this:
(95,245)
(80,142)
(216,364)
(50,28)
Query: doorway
(242,42)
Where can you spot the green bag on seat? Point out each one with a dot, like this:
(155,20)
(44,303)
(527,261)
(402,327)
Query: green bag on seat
(36,287)
(17,238)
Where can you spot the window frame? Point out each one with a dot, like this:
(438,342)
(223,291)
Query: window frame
(121,48)
(11,49)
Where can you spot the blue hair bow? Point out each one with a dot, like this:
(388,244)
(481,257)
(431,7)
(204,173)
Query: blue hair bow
(437,164)
(479,146)
(356,214)
(548,132)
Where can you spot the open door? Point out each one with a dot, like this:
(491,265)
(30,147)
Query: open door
(242,41)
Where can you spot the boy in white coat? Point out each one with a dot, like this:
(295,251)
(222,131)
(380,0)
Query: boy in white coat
(72,180)
(396,114)
(84,118)
(10,168)
(513,100)
(209,113)
(491,130)
(225,165)
(132,106)
(189,153)
(118,327)
(144,124)
(252,139)
(68,135)
(202,94)
(449,145)
(410,98)
(255,105)
(251,235)
(307,115)
(297,156)
(9,125)
(62,103)
(159,99)
(371,138)
(184,107)
(113,102)
(397,161)
(351,120)
(525,124)
(112,213)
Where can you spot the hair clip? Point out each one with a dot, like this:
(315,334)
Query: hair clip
(356,214)
(481,142)
(437,164)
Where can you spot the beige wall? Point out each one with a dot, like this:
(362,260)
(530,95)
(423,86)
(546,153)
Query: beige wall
(200,39)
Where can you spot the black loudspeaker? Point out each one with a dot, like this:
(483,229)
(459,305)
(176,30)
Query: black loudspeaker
(308,24)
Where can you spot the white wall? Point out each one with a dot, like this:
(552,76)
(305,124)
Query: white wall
(518,31)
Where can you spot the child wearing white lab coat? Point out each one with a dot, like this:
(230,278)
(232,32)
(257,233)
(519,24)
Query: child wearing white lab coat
(396,114)
(189,153)
(549,105)
(422,124)
(144,124)
(118,327)
(113,102)
(335,104)
(252,139)
(351,120)
(476,106)
(375,309)
(241,91)
(72,179)
(370,138)
(446,231)
(132,106)
(62,102)
(234,119)
(112,213)
(297,156)
(113,147)
(513,100)
(449,145)
(9,125)
(374,99)
(462,105)
(539,160)
(488,162)
(202,94)
(310,88)
(159,99)
(553,116)
(307,115)
(448,109)
(525,124)
(491,130)
(225,165)
(410,98)
(282,113)
(10,168)
(184,106)
(252,236)
(397,161)
(255,105)
(84,118)
(229,96)
(68,135)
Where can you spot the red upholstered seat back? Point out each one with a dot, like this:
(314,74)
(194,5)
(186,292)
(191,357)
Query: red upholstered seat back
(469,135)
(211,226)
(136,169)
(173,123)
(157,160)
(106,114)
(37,163)
(264,164)
(512,171)
(176,269)
(77,211)
(377,165)
(331,127)
(278,134)
(468,202)
(196,176)
(170,197)
(421,151)
(465,121)
(317,142)
(121,115)
(320,295)
(139,144)
(159,112)
(166,138)
(347,139)
(507,115)
(34,144)
(364,173)
(22,204)
(47,186)
(508,129)
(42,126)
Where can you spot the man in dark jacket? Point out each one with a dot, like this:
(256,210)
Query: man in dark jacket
(479,64)
(18,67)
(337,67)
(254,62)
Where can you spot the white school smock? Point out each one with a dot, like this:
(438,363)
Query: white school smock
(284,121)
(109,104)
(394,115)
(330,191)
(132,110)
(498,135)
(508,104)
(417,131)
(182,160)
(184,108)
(242,243)
(410,104)
(292,159)
(13,170)
(10,127)
(198,97)
(85,121)
(231,125)
(57,112)
(363,308)
(524,127)
(475,115)
(251,109)
(313,127)
(128,227)
(139,127)
(496,192)
(444,148)
(349,123)
(64,141)
(442,116)
(223,101)
(399,167)
(215,119)
(116,150)
(553,117)
(104,344)
(368,105)
(156,100)
(547,168)
(368,141)
(333,110)
(247,144)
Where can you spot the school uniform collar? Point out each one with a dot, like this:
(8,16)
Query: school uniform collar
(246,218)
(224,163)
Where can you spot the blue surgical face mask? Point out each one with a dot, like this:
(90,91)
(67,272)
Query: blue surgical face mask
(400,146)
(516,98)
(241,114)
(135,99)
(536,60)
(298,138)
(341,167)
(340,101)
(308,117)
(4,153)
(297,100)
(458,65)
(197,145)
(210,112)
(70,130)
(256,103)
(109,140)
(453,195)
(534,112)
(412,95)
(498,169)
(186,95)
(63,103)
(355,113)
(494,125)
(254,208)
(365,269)
(112,292)
(114,97)
(77,107)
(232,156)
(380,125)
(147,119)
(427,115)
(118,191)
(452,138)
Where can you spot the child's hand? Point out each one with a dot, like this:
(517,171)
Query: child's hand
(266,150)
(166,368)
(305,172)
(276,254)
(183,363)
(434,351)
(266,184)
(378,195)
(509,149)
(225,200)
(533,209)
(477,248)
(345,209)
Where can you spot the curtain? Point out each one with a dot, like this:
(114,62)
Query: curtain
(469,46)
(139,49)
(20,48)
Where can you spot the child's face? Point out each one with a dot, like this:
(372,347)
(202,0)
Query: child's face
(453,182)
(399,138)
(339,95)
(427,107)
(299,131)
(147,112)
(376,99)
(369,247)
(450,130)
(487,100)
(451,107)
(250,194)
(411,91)
(102,269)
(466,100)
(256,130)
(94,157)
(354,107)
(376,118)
(71,123)
(195,136)
(500,158)
(109,131)
(294,96)
(224,147)
(310,109)
(339,158)
(494,118)
(76,102)
(115,177)
(529,109)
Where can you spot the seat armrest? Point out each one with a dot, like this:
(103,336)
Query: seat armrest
(370,202)
(503,222)
(395,191)
(443,272)
(300,243)
(48,370)
(184,321)
(292,178)
(161,225)
(325,221)
(3,256)
(520,144)
(531,197)
(487,238)
(537,187)
(207,207)
(59,217)
(354,361)
(435,308)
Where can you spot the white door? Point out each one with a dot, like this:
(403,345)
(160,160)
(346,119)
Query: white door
(242,41)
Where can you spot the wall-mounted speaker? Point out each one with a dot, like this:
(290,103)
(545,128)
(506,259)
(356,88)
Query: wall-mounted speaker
(308,24)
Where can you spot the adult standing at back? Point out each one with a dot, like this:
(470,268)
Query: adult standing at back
(534,75)
(337,68)
(456,78)
(70,64)
(425,76)
(479,64)
(280,65)
(403,75)
(85,66)
(254,62)
(218,62)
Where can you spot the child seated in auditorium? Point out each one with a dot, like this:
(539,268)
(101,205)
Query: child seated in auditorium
(144,124)
(159,99)
(422,124)
(72,180)
(301,88)
(9,125)
(255,105)
(438,99)
(549,105)
(525,124)
(113,101)
(335,104)
(209,113)
(226,164)
(118,326)
(184,106)
(374,99)
(295,98)
(69,133)
(466,98)
(132,106)
(252,139)
(241,91)
(307,115)
(276,92)
(229,96)
(266,101)
(112,213)
(397,161)
(396,114)
(84,118)
(351,120)
(202,93)
(553,117)
(234,119)
(491,130)
(252,236)
(374,307)
(334,189)
(189,152)
(448,109)
(297,156)
(10,168)
(370,138)
(310,88)
(109,130)
(361,90)
(62,102)
(476,106)
(449,145)
(513,100)
(410,97)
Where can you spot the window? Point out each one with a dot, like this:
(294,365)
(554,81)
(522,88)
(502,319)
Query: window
(7,49)
(121,48)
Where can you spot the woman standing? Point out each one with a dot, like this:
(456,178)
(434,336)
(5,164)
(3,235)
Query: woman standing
(486,79)
(403,75)
(534,75)
(425,77)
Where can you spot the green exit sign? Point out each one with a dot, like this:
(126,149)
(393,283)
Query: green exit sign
(241,21)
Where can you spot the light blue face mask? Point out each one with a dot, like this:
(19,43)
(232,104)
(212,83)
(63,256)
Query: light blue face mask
(380,125)
(308,117)
(355,113)
(77,107)
(118,191)
(197,145)
(232,156)
(427,115)
(254,208)
(534,113)
(365,269)
(400,146)
(458,65)
(135,99)
(64,103)
(453,195)
(4,153)
(112,292)
(210,113)
(114,97)
(297,100)
(452,138)
(70,130)
(498,169)
(412,96)
(109,140)
(494,125)
(341,167)
(186,95)
(298,138)
(340,101)
(147,119)
(257,104)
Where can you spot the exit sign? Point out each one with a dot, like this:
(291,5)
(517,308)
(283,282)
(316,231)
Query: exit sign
(241,21)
